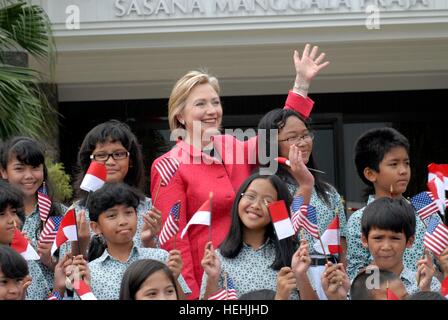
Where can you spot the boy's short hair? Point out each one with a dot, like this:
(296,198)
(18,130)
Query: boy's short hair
(262,294)
(12,264)
(371,147)
(110,195)
(13,197)
(395,215)
(359,289)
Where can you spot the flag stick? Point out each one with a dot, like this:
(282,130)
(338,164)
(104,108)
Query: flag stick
(174,243)
(157,193)
(78,245)
(225,285)
(323,248)
(302,234)
(210,226)
(338,235)
(322,245)
(387,289)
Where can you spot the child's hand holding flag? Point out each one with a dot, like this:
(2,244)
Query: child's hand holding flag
(301,260)
(175,263)
(151,227)
(335,281)
(286,283)
(425,272)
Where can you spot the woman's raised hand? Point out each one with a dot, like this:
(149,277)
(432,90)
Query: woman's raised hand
(309,64)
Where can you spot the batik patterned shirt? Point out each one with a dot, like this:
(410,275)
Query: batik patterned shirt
(359,257)
(106,272)
(250,270)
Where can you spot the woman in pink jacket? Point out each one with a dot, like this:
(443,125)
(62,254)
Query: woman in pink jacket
(205,161)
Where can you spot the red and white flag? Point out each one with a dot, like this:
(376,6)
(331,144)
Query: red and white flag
(67,231)
(22,246)
(391,295)
(438,170)
(280,218)
(167,168)
(330,239)
(83,290)
(436,187)
(95,177)
(202,216)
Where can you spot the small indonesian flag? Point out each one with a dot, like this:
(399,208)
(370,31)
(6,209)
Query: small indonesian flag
(22,246)
(438,170)
(436,187)
(83,290)
(67,231)
(95,177)
(280,219)
(283,161)
(444,288)
(202,216)
(330,239)
(391,295)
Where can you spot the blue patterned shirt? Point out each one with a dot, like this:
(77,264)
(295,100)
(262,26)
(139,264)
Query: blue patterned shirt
(39,288)
(359,257)
(325,213)
(31,228)
(408,277)
(250,270)
(106,272)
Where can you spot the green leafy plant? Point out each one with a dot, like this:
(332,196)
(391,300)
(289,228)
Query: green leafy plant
(60,181)
(24,108)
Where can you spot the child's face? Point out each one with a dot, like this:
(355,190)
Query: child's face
(117,224)
(116,169)
(7,218)
(156,287)
(10,289)
(394,170)
(294,128)
(387,248)
(27,178)
(397,288)
(252,209)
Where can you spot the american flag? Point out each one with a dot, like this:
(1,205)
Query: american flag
(228,293)
(436,236)
(308,220)
(167,167)
(171,227)
(297,202)
(50,230)
(424,204)
(44,203)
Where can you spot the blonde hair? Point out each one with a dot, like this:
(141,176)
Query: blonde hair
(182,90)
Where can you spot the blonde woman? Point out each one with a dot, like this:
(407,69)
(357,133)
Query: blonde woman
(205,161)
